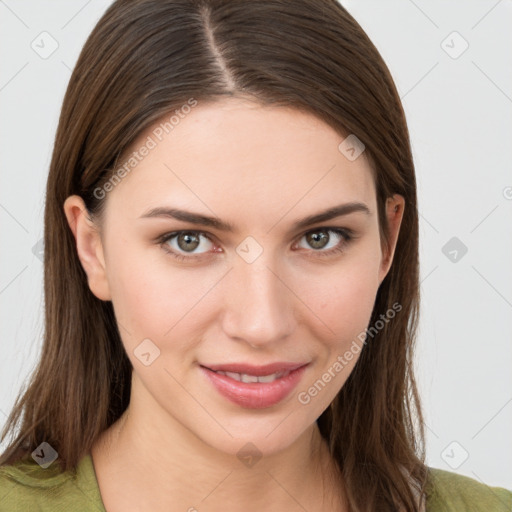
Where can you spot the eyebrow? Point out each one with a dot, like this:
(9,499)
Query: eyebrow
(215,222)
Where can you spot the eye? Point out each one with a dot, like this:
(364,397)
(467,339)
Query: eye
(183,242)
(324,243)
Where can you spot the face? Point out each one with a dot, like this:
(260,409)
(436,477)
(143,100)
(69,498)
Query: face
(253,287)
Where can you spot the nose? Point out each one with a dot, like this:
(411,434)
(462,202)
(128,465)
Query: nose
(258,303)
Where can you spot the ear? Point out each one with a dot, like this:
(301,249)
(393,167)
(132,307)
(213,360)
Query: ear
(88,245)
(394,213)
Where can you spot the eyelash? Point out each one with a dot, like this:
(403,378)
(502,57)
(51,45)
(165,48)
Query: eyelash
(347,234)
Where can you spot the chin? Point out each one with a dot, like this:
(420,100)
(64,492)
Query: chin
(260,435)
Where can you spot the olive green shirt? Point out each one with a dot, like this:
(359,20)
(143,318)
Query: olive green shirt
(26,486)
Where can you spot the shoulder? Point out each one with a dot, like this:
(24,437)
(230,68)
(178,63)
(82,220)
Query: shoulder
(451,492)
(25,485)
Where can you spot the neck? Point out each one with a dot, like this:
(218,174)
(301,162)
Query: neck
(166,467)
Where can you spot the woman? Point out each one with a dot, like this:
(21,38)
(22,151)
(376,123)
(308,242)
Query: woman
(231,275)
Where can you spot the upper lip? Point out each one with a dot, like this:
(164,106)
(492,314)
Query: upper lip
(257,371)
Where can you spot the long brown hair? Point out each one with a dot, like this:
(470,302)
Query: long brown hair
(146,58)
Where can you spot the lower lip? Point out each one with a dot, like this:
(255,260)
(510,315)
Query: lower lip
(255,395)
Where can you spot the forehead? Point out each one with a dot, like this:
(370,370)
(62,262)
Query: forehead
(238,156)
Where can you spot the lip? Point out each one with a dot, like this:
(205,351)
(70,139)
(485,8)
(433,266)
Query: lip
(266,369)
(255,395)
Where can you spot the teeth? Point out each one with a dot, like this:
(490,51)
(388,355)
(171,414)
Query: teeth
(249,378)
(244,377)
(267,378)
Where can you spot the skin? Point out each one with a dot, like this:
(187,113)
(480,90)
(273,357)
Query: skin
(175,447)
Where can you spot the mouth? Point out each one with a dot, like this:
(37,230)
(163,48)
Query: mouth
(254,387)
(245,377)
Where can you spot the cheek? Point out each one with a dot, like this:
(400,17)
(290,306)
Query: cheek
(347,311)
(346,296)
(155,299)
(345,299)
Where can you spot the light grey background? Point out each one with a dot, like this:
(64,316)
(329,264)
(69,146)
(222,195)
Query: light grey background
(459,113)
